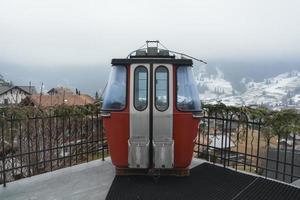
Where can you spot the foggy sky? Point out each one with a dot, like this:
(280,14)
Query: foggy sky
(55,41)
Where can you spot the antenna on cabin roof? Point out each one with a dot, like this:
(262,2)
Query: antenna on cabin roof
(156,45)
(182,54)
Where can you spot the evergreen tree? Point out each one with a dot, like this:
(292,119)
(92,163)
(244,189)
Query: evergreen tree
(97,96)
(3,82)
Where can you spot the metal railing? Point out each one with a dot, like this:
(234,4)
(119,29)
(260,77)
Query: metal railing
(39,144)
(240,143)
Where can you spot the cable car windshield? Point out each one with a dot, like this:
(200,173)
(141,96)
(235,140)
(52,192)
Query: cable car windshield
(187,93)
(115,93)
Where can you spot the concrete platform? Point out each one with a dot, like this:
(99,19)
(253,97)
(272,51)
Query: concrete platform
(85,181)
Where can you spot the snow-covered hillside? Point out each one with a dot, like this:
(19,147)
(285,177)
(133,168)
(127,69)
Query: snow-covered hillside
(213,87)
(276,93)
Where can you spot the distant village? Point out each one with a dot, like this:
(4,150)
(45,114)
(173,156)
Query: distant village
(11,95)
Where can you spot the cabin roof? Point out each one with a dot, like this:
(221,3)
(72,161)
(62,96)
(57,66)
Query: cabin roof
(151,60)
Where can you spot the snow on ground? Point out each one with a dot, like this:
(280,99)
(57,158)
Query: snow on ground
(296,98)
(272,91)
(213,87)
(276,93)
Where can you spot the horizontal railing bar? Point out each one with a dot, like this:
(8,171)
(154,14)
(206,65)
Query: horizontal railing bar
(53,160)
(232,120)
(253,156)
(51,149)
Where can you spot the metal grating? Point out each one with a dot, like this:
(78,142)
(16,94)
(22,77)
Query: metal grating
(207,181)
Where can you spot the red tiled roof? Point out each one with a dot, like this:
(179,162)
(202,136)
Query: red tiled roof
(54,100)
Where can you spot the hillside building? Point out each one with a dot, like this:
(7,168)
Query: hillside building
(12,95)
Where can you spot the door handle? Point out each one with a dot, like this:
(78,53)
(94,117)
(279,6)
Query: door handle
(105,114)
(198,114)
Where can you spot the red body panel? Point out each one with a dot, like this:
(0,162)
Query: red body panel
(184,133)
(117,132)
(185,129)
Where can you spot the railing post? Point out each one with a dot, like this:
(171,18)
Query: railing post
(246,143)
(222,142)
(251,142)
(69,136)
(230,129)
(267,161)
(102,138)
(63,139)
(93,142)
(277,156)
(12,145)
(76,139)
(258,145)
(215,136)
(207,139)
(293,158)
(284,162)
(3,155)
(50,140)
(226,140)
(43,140)
(87,138)
(28,146)
(237,143)
(20,143)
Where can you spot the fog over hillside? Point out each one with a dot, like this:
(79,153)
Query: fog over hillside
(234,70)
(92,78)
(88,79)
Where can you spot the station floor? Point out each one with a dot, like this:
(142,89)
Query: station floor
(96,180)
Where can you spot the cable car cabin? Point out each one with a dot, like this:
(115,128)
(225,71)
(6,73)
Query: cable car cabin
(151,113)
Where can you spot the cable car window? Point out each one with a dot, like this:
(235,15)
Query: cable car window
(187,93)
(140,88)
(161,88)
(115,93)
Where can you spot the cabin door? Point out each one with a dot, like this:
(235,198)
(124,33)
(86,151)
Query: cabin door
(151,116)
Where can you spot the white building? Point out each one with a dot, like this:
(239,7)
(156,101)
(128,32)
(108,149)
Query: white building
(10,95)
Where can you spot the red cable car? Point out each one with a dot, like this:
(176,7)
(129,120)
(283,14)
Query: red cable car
(151,113)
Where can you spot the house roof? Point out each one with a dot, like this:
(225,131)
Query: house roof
(3,89)
(54,100)
(27,89)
